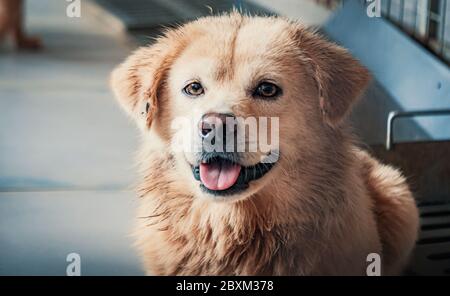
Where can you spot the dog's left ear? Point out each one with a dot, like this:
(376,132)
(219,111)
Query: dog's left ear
(340,78)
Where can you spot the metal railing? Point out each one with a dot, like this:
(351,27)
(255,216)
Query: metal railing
(427,21)
(393,115)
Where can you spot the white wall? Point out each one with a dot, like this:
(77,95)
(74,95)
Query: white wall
(307,11)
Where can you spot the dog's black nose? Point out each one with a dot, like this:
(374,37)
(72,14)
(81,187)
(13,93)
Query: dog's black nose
(213,122)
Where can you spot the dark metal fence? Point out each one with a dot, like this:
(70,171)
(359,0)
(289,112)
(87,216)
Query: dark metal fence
(427,21)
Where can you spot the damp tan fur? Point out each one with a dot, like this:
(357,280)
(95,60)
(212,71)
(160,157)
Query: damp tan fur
(326,204)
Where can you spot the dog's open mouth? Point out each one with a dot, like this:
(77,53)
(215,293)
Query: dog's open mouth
(221,176)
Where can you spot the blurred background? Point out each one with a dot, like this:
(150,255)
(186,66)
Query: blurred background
(66,149)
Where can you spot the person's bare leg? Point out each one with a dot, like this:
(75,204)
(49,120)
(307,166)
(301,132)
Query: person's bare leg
(21,39)
(5,18)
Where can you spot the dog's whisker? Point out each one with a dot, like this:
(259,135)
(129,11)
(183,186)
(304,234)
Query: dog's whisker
(153,216)
(163,228)
(158,221)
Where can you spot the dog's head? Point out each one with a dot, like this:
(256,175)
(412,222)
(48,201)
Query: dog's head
(235,98)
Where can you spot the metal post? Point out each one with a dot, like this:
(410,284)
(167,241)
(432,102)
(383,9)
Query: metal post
(443,21)
(402,11)
(388,11)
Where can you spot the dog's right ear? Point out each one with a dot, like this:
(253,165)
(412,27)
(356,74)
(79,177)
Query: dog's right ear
(136,82)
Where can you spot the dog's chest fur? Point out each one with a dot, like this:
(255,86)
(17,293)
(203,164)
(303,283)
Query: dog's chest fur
(192,239)
(180,234)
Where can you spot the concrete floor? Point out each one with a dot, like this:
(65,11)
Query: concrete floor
(65,150)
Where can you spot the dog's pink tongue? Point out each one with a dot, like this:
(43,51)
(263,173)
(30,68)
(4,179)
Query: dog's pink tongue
(219,176)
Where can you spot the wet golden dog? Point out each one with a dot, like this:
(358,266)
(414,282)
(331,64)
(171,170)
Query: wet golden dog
(320,208)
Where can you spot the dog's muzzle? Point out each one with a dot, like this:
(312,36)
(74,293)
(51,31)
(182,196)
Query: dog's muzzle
(220,174)
(220,171)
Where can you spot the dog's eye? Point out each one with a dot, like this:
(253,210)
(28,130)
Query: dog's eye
(193,89)
(267,90)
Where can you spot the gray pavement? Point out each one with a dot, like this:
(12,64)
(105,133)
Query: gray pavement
(66,150)
(39,229)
